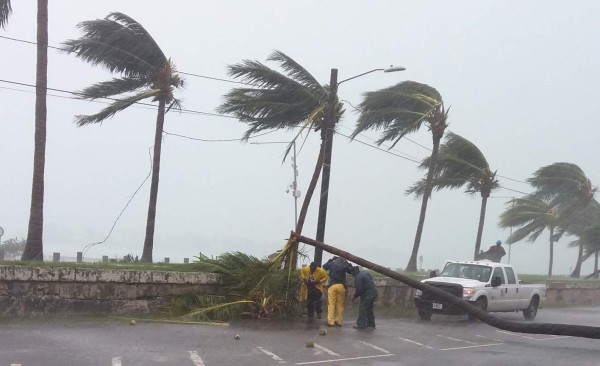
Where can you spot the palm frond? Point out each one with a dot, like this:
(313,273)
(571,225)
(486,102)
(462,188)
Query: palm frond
(5,12)
(120,44)
(296,71)
(112,87)
(113,108)
(398,110)
(531,215)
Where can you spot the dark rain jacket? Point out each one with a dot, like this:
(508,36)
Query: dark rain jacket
(337,268)
(365,287)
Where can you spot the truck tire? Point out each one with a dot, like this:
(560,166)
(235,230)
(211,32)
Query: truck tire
(531,311)
(425,315)
(481,304)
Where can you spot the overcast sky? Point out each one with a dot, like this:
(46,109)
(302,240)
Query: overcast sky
(521,79)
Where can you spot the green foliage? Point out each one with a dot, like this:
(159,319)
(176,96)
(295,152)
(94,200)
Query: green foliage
(13,247)
(400,110)
(259,287)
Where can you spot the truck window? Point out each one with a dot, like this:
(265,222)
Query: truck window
(510,275)
(499,273)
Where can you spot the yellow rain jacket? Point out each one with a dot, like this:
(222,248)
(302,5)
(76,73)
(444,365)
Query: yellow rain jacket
(320,277)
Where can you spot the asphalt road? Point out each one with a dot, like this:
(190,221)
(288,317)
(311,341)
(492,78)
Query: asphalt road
(443,341)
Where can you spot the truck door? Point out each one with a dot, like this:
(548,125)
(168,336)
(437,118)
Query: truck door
(513,289)
(499,294)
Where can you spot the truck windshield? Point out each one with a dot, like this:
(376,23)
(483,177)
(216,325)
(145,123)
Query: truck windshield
(463,270)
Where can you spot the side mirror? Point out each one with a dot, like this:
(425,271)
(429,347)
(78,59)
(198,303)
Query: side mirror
(432,274)
(496,281)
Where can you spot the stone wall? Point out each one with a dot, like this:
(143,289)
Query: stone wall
(34,290)
(40,290)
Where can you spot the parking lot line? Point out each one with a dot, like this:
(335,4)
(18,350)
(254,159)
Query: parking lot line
(272,355)
(326,350)
(456,339)
(493,339)
(417,343)
(515,334)
(196,358)
(374,347)
(344,359)
(116,361)
(465,347)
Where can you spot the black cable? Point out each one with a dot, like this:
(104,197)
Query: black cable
(218,140)
(89,246)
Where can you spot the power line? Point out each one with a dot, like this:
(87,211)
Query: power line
(79,95)
(222,115)
(217,140)
(378,148)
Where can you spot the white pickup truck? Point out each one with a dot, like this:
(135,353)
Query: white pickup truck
(491,286)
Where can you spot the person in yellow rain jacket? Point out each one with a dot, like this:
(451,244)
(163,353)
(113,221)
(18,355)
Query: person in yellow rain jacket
(313,278)
(336,294)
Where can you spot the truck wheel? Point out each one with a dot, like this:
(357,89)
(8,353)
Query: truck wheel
(481,304)
(425,315)
(531,311)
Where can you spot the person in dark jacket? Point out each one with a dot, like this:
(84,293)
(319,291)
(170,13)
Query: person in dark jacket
(336,294)
(365,289)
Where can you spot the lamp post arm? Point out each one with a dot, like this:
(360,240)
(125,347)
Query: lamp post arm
(359,75)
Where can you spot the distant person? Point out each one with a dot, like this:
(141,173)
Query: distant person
(336,294)
(365,289)
(496,252)
(313,278)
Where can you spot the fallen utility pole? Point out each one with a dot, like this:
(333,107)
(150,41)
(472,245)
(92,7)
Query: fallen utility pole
(519,327)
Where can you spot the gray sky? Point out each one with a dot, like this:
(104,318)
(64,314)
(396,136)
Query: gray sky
(521,79)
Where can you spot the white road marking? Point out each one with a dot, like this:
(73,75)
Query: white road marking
(272,355)
(196,358)
(465,347)
(515,335)
(374,346)
(493,339)
(327,350)
(15,364)
(116,361)
(417,343)
(553,337)
(456,339)
(344,359)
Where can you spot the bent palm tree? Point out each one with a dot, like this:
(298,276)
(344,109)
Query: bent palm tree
(400,110)
(274,100)
(460,163)
(591,242)
(122,45)
(531,215)
(566,186)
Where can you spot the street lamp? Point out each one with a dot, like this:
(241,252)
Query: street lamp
(327,138)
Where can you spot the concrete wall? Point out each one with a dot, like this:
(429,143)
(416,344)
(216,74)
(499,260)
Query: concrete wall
(39,290)
(33,290)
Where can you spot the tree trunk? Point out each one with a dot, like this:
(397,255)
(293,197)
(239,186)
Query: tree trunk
(151,221)
(577,271)
(34,249)
(596,265)
(551,251)
(412,262)
(304,210)
(328,148)
(519,327)
(484,198)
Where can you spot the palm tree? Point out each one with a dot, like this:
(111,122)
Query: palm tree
(400,110)
(34,248)
(461,164)
(123,46)
(274,100)
(531,215)
(566,186)
(5,11)
(591,242)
